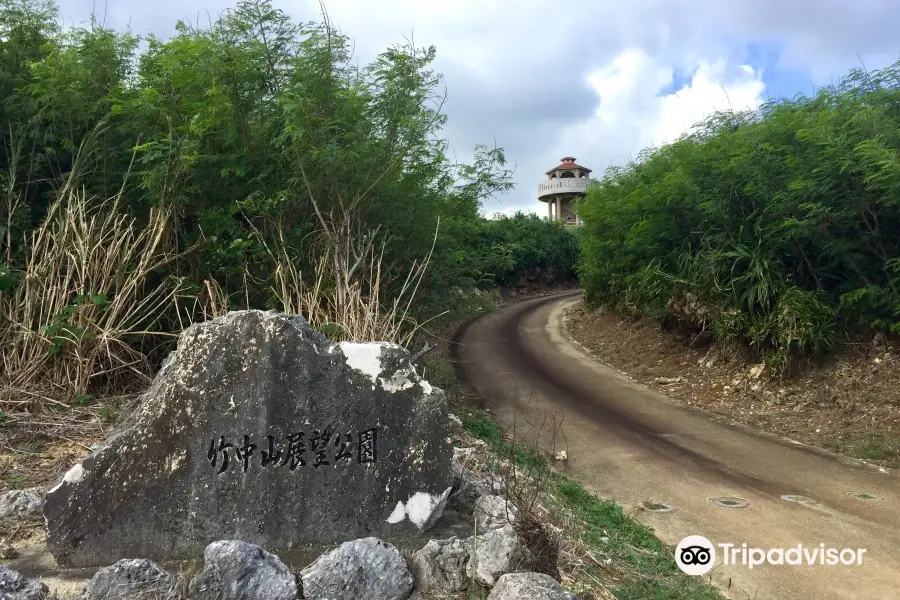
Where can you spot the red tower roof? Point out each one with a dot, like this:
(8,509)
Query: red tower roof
(568,162)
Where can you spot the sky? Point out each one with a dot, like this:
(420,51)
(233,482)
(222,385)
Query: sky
(595,79)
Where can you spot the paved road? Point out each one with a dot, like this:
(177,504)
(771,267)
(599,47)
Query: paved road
(633,444)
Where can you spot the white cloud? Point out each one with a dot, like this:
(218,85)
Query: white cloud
(632,114)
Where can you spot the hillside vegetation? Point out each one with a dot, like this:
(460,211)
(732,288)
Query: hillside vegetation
(244,164)
(778,227)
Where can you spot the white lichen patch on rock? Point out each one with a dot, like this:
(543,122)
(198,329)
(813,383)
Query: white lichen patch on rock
(73,475)
(364,357)
(367,358)
(422,509)
(398,515)
(402,379)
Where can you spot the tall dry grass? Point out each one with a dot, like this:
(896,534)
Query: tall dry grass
(82,301)
(346,302)
(343,296)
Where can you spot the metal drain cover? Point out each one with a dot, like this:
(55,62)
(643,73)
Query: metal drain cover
(862,495)
(657,507)
(798,499)
(729,502)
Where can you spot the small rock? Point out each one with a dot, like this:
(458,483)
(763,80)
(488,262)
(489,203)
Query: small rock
(455,420)
(460,475)
(14,586)
(755,387)
(562,456)
(529,586)
(131,578)
(234,570)
(493,512)
(440,567)
(366,569)
(496,553)
(463,500)
(19,503)
(667,380)
(757,370)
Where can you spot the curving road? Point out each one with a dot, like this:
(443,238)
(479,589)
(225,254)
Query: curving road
(634,445)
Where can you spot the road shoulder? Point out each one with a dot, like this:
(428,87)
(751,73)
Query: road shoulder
(848,406)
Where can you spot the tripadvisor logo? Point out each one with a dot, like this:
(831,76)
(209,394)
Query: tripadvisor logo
(696,555)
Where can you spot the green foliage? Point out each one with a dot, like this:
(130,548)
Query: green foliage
(8,280)
(255,131)
(779,227)
(63,328)
(485,429)
(509,250)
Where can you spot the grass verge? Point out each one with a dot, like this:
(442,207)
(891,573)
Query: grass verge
(636,565)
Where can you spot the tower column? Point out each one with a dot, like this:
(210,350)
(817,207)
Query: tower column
(558,211)
(549,211)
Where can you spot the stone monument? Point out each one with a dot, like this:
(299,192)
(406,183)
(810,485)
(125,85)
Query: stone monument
(257,428)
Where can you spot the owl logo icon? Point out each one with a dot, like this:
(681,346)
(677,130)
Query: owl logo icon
(695,555)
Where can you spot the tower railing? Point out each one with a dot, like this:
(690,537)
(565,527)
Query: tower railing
(562,186)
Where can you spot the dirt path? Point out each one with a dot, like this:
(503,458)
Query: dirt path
(635,445)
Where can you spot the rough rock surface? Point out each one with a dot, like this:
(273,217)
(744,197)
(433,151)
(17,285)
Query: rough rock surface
(529,586)
(366,569)
(234,570)
(493,512)
(496,553)
(257,428)
(19,502)
(14,586)
(440,567)
(8,551)
(129,579)
(466,491)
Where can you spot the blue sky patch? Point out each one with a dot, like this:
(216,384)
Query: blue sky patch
(680,79)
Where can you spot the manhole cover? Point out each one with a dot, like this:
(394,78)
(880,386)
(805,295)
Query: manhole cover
(798,499)
(658,507)
(862,495)
(729,502)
